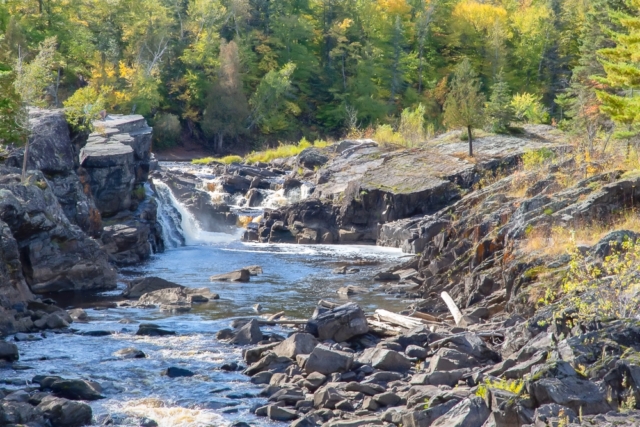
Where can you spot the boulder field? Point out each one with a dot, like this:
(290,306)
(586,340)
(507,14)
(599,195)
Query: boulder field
(340,369)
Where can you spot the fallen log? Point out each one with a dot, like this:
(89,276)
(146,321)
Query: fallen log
(383,328)
(453,308)
(399,319)
(275,316)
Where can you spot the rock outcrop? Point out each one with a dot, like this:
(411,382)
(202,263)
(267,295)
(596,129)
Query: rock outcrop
(364,186)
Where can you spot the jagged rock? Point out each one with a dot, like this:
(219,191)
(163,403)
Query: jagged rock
(448,360)
(468,413)
(248,334)
(78,314)
(340,324)
(327,397)
(546,413)
(55,255)
(138,287)
(299,343)
(242,275)
(385,360)
(580,395)
(65,413)
(326,361)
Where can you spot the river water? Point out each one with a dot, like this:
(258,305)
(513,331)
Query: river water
(295,278)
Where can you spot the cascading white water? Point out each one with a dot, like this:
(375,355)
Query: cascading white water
(168,216)
(188,225)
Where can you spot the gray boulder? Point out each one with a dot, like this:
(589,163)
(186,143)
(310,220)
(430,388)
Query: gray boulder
(468,413)
(385,360)
(138,287)
(299,343)
(311,158)
(76,389)
(277,413)
(248,334)
(325,360)
(339,324)
(65,413)
(8,351)
(580,395)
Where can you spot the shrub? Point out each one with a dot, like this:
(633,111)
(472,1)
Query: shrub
(513,386)
(83,107)
(227,160)
(533,159)
(385,135)
(605,290)
(412,126)
(166,130)
(529,109)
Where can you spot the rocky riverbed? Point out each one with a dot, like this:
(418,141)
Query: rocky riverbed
(104,328)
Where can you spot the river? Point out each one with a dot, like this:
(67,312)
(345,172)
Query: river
(295,278)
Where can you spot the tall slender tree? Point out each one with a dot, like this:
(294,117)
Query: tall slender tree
(464,106)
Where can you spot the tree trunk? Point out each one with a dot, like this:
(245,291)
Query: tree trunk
(470,136)
(220,142)
(24,161)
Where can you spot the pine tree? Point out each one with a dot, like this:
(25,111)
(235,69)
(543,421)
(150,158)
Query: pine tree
(621,102)
(464,106)
(500,112)
(12,113)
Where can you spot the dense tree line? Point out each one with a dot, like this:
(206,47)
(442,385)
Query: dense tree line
(235,73)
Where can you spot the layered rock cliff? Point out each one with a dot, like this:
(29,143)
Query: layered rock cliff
(81,211)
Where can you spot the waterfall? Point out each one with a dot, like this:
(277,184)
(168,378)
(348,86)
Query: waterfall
(182,227)
(168,216)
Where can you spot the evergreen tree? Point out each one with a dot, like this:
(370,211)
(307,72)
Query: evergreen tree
(12,113)
(500,112)
(464,106)
(621,101)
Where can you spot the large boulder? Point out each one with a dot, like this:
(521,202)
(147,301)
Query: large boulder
(8,351)
(65,413)
(339,324)
(76,389)
(248,334)
(468,413)
(299,343)
(325,360)
(385,360)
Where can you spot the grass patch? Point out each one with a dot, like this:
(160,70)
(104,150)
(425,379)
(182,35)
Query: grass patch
(266,156)
(560,240)
(227,160)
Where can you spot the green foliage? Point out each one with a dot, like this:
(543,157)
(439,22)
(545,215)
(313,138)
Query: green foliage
(605,290)
(621,101)
(83,107)
(528,108)
(270,104)
(533,159)
(514,386)
(464,106)
(12,114)
(500,111)
(166,130)
(227,160)
(34,77)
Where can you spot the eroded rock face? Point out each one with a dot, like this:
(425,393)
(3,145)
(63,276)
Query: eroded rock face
(55,255)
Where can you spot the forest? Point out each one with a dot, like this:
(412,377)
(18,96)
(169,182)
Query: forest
(237,75)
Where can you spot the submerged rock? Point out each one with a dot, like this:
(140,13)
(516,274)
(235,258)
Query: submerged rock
(242,275)
(174,372)
(151,330)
